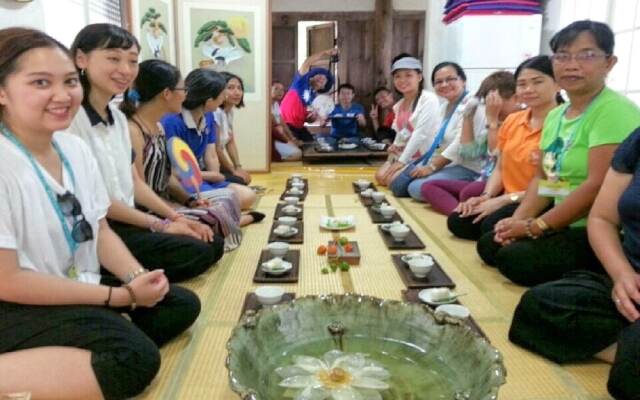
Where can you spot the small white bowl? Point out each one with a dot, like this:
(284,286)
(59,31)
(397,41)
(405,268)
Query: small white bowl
(366,192)
(278,249)
(290,210)
(454,310)
(268,295)
(363,184)
(291,200)
(296,176)
(421,266)
(377,196)
(387,212)
(399,232)
(290,221)
(297,184)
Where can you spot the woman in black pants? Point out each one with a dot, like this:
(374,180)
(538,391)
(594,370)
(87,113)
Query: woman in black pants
(106,57)
(587,314)
(578,140)
(62,333)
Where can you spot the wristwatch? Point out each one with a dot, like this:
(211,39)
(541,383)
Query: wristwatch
(514,197)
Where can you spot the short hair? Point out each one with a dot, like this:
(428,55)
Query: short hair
(346,86)
(459,71)
(502,81)
(229,76)
(202,84)
(601,32)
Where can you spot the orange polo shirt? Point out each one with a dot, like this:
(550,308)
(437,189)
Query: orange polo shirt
(519,147)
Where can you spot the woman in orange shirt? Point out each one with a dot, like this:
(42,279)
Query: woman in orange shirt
(518,153)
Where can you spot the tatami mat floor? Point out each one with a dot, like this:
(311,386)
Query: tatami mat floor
(193,366)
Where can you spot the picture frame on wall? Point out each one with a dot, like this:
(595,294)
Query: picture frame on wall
(222,35)
(152,22)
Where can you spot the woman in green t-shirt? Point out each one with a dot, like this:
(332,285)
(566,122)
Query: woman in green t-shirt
(546,235)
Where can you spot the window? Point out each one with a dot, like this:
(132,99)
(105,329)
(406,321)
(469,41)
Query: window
(65,18)
(624,19)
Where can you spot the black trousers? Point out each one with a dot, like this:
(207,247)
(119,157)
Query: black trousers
(530,262)
(124,354)
(574,318)
(301,133)
(463,227)
(229,177)
(181,257)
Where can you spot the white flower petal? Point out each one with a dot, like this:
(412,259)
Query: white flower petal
(300,381)
(370,394)
(351,361)
(374,372)
(331,356)
(369,383)
(313,393)
(310,364)
(291,370)
(347,393)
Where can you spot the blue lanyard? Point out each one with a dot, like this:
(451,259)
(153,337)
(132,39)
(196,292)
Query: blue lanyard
(73,246)
(560,153)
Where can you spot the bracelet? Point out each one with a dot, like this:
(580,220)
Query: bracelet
(132,295)
(134,274)
(108,300)
(541,224)
(159,225)
(528,229)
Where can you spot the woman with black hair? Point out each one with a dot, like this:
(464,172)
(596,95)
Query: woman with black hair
(416,118)
(62,330)
(161,90)
(546,236)
(226,141)
(196,125)
(517,155)
(106,57)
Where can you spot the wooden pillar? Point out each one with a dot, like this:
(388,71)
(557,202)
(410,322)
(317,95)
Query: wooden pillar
(383,37)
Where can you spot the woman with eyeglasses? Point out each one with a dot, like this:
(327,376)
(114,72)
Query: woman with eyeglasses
(517,153)
(106,57)
(196,125)
(546,236)
(161,90)
(62,332)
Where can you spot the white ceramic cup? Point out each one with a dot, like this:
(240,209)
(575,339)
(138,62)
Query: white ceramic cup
(377,197)
(421,266)
(399,232)
(268,295)
(290,221)
(387,212)
(278,249)
(291,200)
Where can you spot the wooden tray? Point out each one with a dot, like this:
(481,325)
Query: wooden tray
(251,302)
(279,212)
(436,278)
(297,239)
(412,242)
(378,218)
(411,296)
(356,188)
(292,256)
(352,258)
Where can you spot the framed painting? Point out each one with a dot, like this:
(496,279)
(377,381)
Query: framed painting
(152,24)
(222,35)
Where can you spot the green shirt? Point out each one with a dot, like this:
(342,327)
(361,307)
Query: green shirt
(608,120)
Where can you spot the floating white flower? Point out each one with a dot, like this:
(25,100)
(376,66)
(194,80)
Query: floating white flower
(338,376)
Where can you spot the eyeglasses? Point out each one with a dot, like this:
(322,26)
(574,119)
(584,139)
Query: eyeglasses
(445,80)
(81,230)
(181,88)
(581,57)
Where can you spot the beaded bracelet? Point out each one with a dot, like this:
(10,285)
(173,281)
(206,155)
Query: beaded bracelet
(528,229)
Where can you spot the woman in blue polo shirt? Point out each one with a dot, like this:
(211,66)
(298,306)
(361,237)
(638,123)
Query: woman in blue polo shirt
(197,127)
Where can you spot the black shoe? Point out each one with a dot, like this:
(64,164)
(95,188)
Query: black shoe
(257,216)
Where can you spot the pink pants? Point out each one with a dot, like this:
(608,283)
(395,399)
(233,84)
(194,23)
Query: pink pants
(445,195)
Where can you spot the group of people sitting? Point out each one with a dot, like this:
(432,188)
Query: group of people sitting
(74,158)
(546,183)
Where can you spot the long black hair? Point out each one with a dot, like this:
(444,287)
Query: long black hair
(227,77)
(153,77)
(202,84)
(100,36)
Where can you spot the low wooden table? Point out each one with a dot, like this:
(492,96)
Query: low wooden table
(309,153)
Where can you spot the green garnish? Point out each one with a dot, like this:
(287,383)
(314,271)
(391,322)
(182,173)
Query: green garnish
(344,266)
(324,270)
(343,241)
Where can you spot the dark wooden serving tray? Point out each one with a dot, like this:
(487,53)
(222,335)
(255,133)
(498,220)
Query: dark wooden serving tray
(251,302)
(352,257)
(279,212)
(436,278)
(378,218)
(292,256)
(297,239)
(412,241)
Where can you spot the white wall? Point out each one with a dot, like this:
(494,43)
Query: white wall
(343,5)
(22,14)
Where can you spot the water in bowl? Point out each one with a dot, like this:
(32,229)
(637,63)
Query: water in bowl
(415,374)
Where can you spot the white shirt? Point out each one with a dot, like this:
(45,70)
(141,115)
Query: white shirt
(224,120)
(275,111)
(425,120)
(29,223)
(110,144)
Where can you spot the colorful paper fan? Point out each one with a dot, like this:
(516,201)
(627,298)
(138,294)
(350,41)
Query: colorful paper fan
(185,163)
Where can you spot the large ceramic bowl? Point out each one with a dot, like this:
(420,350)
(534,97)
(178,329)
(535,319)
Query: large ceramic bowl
(335,345)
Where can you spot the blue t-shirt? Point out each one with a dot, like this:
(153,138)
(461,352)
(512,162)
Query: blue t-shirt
(175,125)
(344,123)
(627,161)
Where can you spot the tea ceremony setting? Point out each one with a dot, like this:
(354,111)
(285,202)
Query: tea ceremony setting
(335,200)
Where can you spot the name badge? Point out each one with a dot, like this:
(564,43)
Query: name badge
(553,188)
(72,273)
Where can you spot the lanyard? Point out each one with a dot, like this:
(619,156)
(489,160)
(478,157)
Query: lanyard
(440,135)
(554,147)
(73,246)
